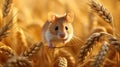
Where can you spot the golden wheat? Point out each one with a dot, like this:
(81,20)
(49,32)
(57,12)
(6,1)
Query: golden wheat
(4,29)
(30,19)
(114,42)
(101,11)
(20,41)
(32,50)
(6,7)
(88,45)
(70,59)
(61,62)
(18,62)
(7,51)
(101,55)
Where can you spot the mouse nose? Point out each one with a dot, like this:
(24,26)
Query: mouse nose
(62,35)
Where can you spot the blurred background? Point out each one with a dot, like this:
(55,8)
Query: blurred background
(36,12)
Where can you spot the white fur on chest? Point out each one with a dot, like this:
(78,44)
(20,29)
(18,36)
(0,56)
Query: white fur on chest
(49,36)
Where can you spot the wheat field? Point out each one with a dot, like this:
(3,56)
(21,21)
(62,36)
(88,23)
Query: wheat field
(96,41)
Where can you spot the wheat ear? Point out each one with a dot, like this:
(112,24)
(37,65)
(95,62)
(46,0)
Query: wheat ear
(6,7)
(89,45)
(101,11)
(114,42)
(32,50)
(7,51)
(61,62)
(100,56)
(5,28)
(18,62)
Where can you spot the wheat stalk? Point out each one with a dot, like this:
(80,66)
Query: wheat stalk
(21,40)
(101,11)
(100,56)
(89,44)
(7,51)
(6,6)
(32,50)
(18,62)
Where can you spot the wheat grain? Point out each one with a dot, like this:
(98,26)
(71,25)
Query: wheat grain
(6,7)
(18,62)
(116,44)
(101,11)
(89,44)
(113,41)
(32,50)
(4,29)
(7,51)
(100,56)
(64,54)
(61,62)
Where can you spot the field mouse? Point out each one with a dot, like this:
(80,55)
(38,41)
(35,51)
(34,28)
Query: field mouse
(58,28)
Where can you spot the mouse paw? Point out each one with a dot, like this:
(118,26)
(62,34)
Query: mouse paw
(50,45)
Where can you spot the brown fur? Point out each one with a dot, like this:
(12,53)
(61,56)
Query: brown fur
(58,21)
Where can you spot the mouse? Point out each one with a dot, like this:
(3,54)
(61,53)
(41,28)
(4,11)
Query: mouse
(58,28)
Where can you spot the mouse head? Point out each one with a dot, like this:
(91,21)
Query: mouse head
(61,26)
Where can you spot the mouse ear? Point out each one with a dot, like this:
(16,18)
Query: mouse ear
(51,17)
(69,16)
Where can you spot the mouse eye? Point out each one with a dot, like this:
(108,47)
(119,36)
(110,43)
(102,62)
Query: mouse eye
(56,28)
(66,27)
